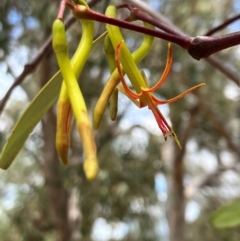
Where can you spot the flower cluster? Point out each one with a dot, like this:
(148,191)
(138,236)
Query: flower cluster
(71,101)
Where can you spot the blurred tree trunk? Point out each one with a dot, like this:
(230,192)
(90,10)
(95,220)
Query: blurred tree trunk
(176,200)
(58,195)
(176,203)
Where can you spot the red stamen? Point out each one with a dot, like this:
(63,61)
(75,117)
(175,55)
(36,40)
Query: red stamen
(162,123)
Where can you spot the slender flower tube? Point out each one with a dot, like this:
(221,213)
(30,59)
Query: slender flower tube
(110,54)
(113,80)
(60,47)
(64,119)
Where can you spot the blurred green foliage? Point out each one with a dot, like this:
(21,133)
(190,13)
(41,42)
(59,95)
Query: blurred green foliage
(131,152)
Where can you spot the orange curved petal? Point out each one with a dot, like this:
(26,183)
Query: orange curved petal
(125,86)
(166,71)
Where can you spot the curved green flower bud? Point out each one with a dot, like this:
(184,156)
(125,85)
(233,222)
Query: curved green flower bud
(110,54)
(64,106)
(64,121)
(60,47)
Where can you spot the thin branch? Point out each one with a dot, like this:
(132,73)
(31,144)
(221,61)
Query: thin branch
(31,65)
(198,47)
(81,12)
(138,14)
(218,123)
(62,9)
(201,46)
(215,62)
(223,25)
(154,14)
(211,60)
(29,68)
(204,180)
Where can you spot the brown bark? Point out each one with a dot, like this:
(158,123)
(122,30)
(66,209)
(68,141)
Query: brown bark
(176,199)
(176,193)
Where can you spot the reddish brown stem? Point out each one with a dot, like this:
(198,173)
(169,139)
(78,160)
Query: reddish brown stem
(204,46)
(223,25)
(138,14)
(80,11)
(199,47)
(70,5)
(62,9)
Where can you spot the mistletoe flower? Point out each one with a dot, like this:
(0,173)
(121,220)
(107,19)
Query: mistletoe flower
(145,96)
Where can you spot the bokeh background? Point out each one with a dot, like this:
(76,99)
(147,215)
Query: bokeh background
(147,189)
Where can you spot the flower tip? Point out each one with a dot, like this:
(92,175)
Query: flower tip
(177,141)
(173,134)
(62,151)
(198,86)
(91,168)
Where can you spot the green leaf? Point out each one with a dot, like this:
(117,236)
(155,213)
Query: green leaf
(227,216)
(29,119)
